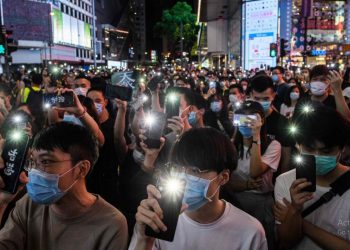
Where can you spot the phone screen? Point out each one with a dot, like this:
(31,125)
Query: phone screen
(61,100)
(172,105)
(155,129)
(119,92)
(14,156)
(306,168)
(170,203)
(242,120)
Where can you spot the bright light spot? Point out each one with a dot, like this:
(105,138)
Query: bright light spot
(293,129)
(237,104)
(144,98)
(55,69)
(47,105)
(307,109)
(299,159)
(173,186)
(16,135)
(17,118)
(159,74)
(149,120)
(172,98)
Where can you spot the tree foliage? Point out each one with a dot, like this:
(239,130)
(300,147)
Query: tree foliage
(170,27)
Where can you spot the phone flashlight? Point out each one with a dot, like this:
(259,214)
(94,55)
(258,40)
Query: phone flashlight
(298,159)
(172,186)
(293,129)
(17,118)
(16,135)
(47,105)
(149,120)
(172,98)
(307,109)
(144,98)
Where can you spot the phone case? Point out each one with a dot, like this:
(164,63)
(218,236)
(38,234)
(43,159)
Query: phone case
(172,108)
(14,156)
(155,132)
(119,92)
(307,169)
(64,100)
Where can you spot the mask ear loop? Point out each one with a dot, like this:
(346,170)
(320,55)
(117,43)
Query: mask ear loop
(67,189)
(211,197)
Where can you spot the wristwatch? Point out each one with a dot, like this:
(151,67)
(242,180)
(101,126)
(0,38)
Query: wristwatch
(258,142)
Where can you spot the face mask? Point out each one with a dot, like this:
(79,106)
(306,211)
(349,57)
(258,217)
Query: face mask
(195,195)
(80,91)
(222,84)
(215,107)
(307,85)
(138,156)
(266,105)
(294,96)
(245,131)
(318,88)
(244,87)
(72,119)
(288,78)
(233,98)
(192,118)
(43,187)
(325,164)
(274,78)
(99,108)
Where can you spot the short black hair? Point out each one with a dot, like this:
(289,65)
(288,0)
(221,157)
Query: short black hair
(98,82)
(197,100)
(36,78)
(323,124)
(319,70)
(69,138)
(260,83)
(281,69)
(98,89)
(237,86)
(5,89)
(206,149)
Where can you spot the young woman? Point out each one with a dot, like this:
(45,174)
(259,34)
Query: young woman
(251,185)
(293,94)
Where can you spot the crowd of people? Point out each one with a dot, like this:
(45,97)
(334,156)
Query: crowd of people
(90,178)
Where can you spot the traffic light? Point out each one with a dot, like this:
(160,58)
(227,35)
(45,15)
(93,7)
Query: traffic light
(10,42)
(2,44)
(273,49)
(284,46)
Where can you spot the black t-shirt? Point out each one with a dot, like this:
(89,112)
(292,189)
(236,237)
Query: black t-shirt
(103,179)
(277,127)
(329,101)
(221,122)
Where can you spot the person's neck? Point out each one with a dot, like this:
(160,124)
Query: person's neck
(327,179)
(280,82)
(104,116)
(319,98)
(209,213)
(269,112)
(74,203)
(293,103)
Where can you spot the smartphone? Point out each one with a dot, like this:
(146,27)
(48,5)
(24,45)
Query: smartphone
(119,92)
(14,156)
(212,85)
(172,105)
(306,168)
(170,203)
(242,120)
(154,129)
(60,100)
(154,82)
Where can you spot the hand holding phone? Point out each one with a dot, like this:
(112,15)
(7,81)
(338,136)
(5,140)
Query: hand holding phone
(243,120)
(172,105)
(57,99)
(155,124)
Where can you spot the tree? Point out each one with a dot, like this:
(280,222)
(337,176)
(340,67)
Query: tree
(179,19)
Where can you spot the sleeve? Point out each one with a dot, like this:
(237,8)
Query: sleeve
(259,241)
(120,236)
(13,234)
(281,190)
(272,155)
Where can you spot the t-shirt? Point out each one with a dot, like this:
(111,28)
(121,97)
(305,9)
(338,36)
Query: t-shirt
(277,129)
(33,226)
(235,229)
(333,216)
(329,101)
(281,91)
(271,158)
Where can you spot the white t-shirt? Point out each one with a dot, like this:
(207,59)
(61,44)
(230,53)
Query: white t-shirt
(334,216)
(286,111)
(271,158)
(235,229)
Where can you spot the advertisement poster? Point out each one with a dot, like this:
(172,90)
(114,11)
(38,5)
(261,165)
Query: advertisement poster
(260,27)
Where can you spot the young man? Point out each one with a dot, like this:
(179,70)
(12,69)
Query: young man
(58,211)
(104,177)
(207,157)
(322,132)
(81,85)
(281,86)
(276,124)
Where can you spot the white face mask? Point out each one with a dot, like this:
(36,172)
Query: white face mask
(233,98)
(80,91)
(318,88)
(72,119)
(99,108)
(294,96)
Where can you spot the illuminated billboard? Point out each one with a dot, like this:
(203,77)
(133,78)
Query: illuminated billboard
(260,28)
(68,30)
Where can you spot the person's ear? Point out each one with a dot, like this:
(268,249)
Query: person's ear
(85,167)
(224,177)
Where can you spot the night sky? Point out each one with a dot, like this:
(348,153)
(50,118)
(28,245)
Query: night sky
(154,9)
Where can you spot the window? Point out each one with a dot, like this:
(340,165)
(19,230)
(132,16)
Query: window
(76,14)
(84,53)
(77,52)
(79,16)
(71,12)
(67,10)
(62,7)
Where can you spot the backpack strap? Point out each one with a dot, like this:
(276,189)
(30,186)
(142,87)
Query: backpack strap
(338,187)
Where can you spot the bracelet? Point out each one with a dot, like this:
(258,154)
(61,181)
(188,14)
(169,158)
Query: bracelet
(82,115)
(258,142)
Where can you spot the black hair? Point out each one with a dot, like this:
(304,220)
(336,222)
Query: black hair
(237,86)
(287,99)
(319,70)
(206,149)
(36,78)
(69,138)
(249,108)
(322,123)
(281,69)
(98,82)
(98,89)
(6,89)
(260,83)
(198,101)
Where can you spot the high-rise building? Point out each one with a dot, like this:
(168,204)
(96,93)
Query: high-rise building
(137,22)
(51,30)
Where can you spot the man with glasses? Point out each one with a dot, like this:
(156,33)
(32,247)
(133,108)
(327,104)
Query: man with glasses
(208,222)
(58,211)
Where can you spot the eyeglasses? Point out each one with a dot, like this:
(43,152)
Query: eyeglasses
(42,164)
(194,172)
